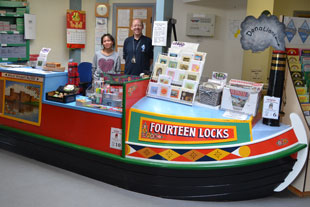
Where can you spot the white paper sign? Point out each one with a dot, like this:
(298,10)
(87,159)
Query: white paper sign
(160,33)
(101,29)
(116,138)
(123,18)
(271,107)
(122,34)
(120,52)
(139,13)
(30,26)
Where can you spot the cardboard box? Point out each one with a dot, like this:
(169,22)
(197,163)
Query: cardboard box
(243,97)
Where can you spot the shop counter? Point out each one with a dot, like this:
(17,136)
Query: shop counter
(23,106)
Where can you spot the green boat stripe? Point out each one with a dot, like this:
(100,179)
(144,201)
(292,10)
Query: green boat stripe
(148,163)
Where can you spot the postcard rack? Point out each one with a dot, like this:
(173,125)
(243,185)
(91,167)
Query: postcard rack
(176,75)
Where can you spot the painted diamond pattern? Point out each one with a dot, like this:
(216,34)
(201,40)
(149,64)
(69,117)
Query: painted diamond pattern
(304,31)
(169,154)
(290,30)
(147,152)
(193,155)
(218,154)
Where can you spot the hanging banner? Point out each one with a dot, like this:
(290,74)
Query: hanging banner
(76,29)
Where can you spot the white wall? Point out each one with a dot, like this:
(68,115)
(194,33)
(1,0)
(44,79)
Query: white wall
(89,6)
(224,54)
(88,52)
(50,29)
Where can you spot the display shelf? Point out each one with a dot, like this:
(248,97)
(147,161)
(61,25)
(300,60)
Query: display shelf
(12,15)
(13,46)
(13,59)
(13,4)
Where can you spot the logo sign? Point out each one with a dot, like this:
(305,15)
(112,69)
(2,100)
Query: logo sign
(182,133)
(259,34)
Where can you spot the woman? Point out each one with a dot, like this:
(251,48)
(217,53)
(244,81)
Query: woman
(106,60)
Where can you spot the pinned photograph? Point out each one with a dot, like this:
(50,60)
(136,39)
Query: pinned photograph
(196,66)
(175,92)
(153,89)
(192,76)
(164,79)
(184,65)
(187,95)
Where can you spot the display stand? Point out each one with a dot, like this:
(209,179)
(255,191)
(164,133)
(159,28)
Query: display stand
(176,75)
(291,103)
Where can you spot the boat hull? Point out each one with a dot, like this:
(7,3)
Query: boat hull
(223,184)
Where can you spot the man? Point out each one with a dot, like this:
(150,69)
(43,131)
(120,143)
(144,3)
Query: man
(138,51)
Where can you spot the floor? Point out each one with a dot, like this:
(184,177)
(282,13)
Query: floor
(28,183)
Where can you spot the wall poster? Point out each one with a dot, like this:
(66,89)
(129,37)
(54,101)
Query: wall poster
(21,100)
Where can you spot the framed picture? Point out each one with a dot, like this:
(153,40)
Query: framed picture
(163,59)
(22,101)
(164,79)
(187,96)
(184,65)
(175,92)
(192,76)
(159,69)
(189,84)
(199,56)
(153,89)
(196,66)
(164,90)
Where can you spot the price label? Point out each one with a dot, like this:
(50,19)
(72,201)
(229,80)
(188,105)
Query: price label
(116,138)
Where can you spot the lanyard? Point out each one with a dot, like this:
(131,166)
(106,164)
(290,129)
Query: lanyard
(133,46)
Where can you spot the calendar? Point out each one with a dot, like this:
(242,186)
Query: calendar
(76,29)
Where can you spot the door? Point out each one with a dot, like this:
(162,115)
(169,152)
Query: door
(123,19)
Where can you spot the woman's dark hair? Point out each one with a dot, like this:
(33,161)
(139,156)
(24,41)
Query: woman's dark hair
(110,37)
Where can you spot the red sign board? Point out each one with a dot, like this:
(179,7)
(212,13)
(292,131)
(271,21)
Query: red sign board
(171,132)
(76,29)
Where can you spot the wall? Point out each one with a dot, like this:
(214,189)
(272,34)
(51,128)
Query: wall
(260,60)
(287,7)
(224,54)
(88,52)
(50,28)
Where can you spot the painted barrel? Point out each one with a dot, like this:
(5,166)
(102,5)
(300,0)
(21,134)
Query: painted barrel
(276,82)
